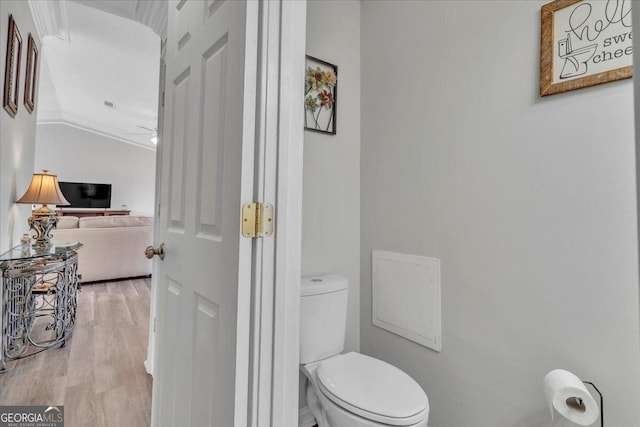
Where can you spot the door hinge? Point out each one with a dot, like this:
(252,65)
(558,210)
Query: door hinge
(163,99)
(154,324)
(257,220)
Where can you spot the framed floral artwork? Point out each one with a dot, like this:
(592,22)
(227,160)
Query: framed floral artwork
(12,69)
(31,78)
(320,96)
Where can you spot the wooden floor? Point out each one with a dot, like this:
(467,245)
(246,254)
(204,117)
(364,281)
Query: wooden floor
(99,376)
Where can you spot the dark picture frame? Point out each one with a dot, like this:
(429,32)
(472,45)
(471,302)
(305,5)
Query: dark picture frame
(31,75)
(320,96)
(12,69)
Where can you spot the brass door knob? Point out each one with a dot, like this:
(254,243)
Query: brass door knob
(151,251)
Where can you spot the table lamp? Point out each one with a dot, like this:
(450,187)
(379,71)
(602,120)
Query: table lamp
(43,189)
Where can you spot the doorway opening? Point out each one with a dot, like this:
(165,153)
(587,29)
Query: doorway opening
(97,110)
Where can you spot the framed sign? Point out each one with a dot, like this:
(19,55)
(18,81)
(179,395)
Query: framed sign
(12,69)
(320,95)
(32,74)
(584,43)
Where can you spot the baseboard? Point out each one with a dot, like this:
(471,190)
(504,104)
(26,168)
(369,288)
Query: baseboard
(305,418)
(148,367)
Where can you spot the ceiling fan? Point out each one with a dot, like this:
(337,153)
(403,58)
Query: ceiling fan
(151,132)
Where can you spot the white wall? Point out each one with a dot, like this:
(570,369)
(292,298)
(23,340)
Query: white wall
(636,85)
(530,204)
(331,191)
(79,156)
(17,135)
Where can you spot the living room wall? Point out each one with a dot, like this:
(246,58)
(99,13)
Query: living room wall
(17,134)
(78,155)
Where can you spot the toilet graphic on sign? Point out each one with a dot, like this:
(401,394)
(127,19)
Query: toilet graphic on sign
(575,61)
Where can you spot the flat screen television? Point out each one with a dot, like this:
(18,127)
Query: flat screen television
(86,195)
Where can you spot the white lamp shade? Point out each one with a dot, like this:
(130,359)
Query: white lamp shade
(44,189)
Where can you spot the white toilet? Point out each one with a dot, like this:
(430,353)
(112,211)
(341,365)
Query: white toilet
(349,390)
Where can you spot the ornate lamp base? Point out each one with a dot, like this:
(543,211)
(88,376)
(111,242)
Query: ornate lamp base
(42,222)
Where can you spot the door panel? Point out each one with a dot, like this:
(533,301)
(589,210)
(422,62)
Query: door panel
(206,176)
(207,331)
(179,136)
(210,166)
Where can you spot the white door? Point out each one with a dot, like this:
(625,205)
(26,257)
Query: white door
(201,372)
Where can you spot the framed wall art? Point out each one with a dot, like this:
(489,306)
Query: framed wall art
(584,43)
(320,96)
(12,69)
(32,75)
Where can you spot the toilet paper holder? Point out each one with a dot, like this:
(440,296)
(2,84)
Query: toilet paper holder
(581,404)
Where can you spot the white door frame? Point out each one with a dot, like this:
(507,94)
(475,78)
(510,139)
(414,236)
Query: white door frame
(275,309)
(288,257)
(276,300)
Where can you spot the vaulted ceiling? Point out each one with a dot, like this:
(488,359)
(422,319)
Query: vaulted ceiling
(100,65)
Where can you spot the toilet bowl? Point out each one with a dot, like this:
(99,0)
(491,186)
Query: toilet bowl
(352,389)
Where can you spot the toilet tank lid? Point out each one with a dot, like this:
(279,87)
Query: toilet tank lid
(316,285)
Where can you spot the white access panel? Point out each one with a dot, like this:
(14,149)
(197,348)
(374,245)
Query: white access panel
(406,296)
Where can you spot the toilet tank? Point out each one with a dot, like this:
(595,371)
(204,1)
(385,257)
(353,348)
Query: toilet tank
(323,316)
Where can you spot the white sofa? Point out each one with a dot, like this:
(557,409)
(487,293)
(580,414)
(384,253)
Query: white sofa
(113,245)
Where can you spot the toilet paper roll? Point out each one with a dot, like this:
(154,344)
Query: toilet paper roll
(568,395)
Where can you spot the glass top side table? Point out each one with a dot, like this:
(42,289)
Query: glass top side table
(39,299)
(16,254)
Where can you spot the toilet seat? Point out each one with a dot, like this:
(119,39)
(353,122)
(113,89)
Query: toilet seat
(372,389)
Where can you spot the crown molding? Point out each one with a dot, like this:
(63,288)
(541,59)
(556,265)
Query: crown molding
(77,122)
(153,14)
(50,18)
